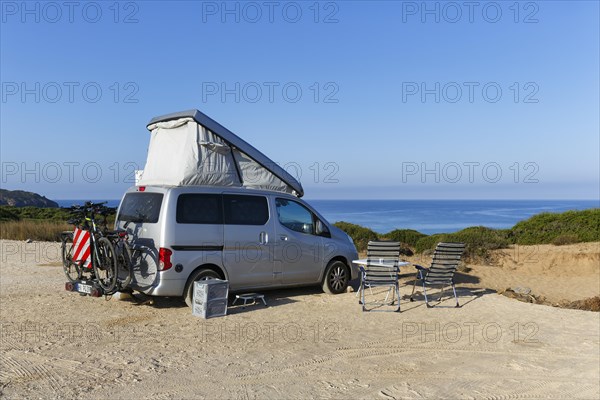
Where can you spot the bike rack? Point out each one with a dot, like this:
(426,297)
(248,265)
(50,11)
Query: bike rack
(85,287)
(90,286)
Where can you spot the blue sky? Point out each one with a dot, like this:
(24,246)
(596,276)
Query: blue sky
(361,99)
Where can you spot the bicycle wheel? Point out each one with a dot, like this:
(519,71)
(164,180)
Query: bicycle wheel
(71,268)
(124,264)
(105,265)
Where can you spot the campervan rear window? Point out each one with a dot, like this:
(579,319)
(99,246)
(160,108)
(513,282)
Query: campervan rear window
(141,207)
(199,209)
(245,210)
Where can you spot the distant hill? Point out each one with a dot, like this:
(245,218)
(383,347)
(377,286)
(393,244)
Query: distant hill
(20,198)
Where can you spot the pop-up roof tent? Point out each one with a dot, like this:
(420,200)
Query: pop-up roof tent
(190,148)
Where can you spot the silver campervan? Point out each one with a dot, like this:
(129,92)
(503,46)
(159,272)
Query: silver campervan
(208,205)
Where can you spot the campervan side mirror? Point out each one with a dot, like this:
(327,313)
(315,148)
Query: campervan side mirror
(321,229)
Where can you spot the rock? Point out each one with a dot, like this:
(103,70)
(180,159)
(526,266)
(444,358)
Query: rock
(122,296)
(524,294)
(21,198)
(589,304)
(521,290)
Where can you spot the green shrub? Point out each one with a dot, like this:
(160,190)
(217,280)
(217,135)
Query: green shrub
(7,215)
(546,227)
(56,214)
(478,240)
(407,236)
(564,239)
(359,234)
(429,242)
(38,213)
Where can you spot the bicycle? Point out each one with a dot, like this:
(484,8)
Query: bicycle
(87,250)
(73,269)
(120,241)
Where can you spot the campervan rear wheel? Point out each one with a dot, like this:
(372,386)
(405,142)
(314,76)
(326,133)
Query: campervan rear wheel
(200,275)
(336,278)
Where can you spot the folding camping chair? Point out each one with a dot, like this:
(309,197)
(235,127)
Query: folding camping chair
(441,272)
(381,269)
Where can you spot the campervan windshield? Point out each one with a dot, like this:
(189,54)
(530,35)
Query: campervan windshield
(141,207)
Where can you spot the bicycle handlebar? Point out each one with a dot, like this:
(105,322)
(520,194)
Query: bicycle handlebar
(89,209)
(89,204)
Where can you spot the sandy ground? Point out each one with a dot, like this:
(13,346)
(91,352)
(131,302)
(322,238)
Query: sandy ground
(559,273)
(306,344)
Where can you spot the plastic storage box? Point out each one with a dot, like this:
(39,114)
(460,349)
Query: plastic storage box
(210,298)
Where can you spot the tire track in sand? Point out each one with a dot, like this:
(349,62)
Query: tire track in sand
(23,370)
(368,350)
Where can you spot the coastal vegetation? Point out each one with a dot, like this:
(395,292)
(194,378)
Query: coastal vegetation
(20,223)
(35,223)
(545,228)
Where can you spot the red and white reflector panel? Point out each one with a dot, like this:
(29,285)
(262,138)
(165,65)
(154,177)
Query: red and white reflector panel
(81,247)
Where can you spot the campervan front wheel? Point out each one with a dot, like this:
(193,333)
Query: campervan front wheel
(337,277)
(200,275)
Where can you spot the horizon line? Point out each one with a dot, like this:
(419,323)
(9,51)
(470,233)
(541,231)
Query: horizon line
(396,199)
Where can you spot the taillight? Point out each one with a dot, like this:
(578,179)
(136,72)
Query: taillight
(164,259)
(141,188)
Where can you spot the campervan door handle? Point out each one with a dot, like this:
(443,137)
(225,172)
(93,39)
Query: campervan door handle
(263,238)
(283,237)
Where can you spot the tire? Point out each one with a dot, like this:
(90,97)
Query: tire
(124,265)
(105,265)
(200,275)
(70,267)
(337,277)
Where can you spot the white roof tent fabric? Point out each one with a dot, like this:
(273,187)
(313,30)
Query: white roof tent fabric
(190,148)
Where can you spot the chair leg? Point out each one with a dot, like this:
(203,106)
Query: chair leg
(414,286)
(361,291)
(398,297)
(455,296)
(362,296)
(360,287)
(441,293)
(425,294)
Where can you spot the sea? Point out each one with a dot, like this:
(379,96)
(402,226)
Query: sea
(427,216)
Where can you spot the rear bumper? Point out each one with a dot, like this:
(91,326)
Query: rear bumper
(164,287)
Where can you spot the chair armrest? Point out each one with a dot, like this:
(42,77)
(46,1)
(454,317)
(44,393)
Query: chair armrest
(421,271)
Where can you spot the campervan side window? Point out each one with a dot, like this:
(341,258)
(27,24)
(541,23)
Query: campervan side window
(245,210)
(141,207)
(199,209)
(295,216)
